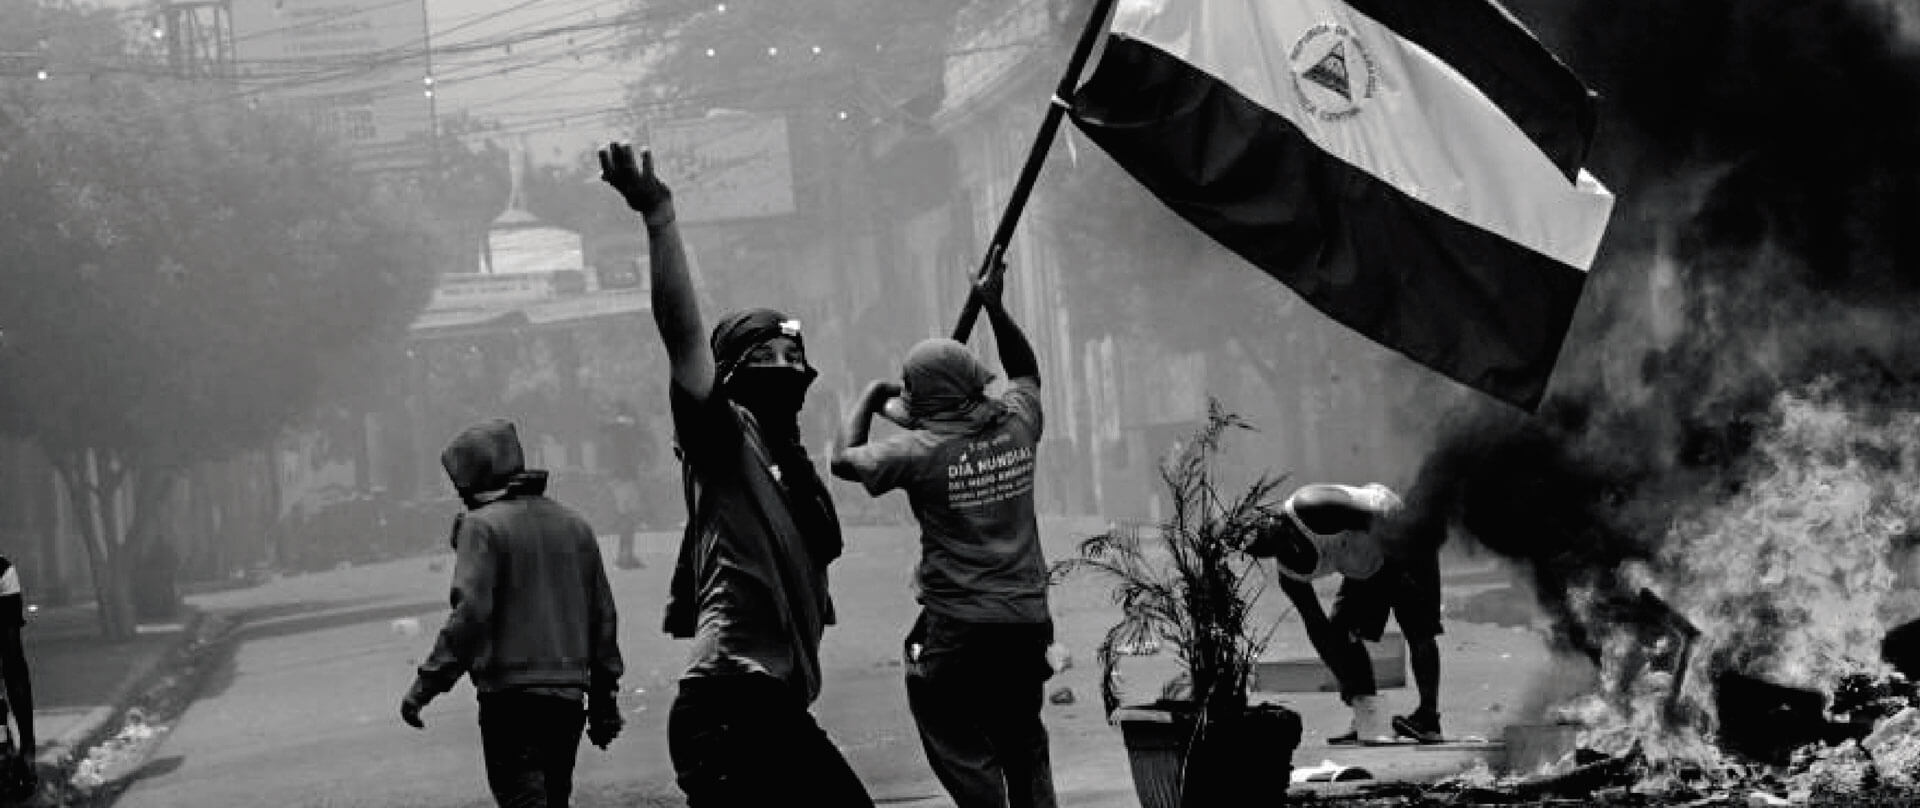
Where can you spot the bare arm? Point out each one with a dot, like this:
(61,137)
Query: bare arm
(859,422)
(676,310)
(1016,353)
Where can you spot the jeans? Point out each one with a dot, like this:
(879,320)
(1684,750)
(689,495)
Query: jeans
(529,741)
(748,741)
(976,691)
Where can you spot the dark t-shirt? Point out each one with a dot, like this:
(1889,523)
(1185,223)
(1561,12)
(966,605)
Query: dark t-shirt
(759,584)
(973,496)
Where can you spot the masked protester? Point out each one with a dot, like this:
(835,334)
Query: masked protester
(977,656)
(1353,531)
(532,624)
(750,585)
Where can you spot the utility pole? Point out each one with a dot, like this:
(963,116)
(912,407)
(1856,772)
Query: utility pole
(433,101)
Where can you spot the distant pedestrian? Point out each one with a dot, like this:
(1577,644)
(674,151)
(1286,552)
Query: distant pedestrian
(976,659)
(626,453)
(750,585)
(18,778)
(532,624)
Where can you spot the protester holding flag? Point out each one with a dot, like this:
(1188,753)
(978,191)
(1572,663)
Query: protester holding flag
(1325,529)
(977,657)
(750,585)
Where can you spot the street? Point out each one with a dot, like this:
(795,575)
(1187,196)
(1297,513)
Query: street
(305,714)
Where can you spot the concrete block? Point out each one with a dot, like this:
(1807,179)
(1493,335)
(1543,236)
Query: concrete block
(1310,675)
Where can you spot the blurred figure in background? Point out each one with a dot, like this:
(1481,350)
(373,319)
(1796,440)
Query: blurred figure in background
(626,454)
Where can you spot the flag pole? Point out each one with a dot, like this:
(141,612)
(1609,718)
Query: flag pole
(1036,157)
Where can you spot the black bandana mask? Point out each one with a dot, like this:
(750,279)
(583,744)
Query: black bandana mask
(773,394)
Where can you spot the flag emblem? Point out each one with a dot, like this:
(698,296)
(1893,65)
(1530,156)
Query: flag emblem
(1411,168)
(1333,74)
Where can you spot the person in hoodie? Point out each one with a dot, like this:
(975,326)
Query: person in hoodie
(1385,565)
(532,624)
(977,656)
(750,585)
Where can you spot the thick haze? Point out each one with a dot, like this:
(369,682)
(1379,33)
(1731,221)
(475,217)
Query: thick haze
(1732,424)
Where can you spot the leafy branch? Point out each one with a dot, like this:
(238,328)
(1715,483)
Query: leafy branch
(1190,586)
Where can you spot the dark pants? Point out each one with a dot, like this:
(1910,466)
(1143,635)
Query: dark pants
(529,742)
(748,741)
(975,690)
(1408,589)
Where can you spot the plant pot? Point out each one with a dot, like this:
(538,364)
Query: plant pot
(1230,762)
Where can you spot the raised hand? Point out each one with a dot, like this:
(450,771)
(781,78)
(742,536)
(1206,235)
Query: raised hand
(638,184)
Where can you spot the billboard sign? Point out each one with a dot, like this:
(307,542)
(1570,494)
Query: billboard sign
(726,166)
(354,69)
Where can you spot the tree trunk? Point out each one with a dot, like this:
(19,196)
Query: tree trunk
(117,618)
(148,553)
(274,552)
(94,483)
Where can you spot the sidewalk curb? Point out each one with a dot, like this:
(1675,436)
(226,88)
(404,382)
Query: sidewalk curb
(247,627)
(99,722)
(96,722)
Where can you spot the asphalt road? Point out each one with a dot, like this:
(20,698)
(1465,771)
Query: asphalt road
(304,714)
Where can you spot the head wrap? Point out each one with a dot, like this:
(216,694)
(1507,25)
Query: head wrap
(941,377)
(741,331)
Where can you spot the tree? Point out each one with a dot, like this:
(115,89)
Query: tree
(182,274)
(469,187)
(767,54)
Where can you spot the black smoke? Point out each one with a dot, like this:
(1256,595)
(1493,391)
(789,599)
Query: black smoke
(1766,159)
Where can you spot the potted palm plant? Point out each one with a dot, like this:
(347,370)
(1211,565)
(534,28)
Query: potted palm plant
(1186,585)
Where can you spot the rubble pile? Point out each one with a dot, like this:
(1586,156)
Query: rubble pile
(1863,749)
(96,779)
(118,756)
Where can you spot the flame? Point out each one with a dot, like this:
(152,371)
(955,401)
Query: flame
(1789,578)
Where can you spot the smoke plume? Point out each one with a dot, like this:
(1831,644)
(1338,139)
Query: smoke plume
(1730,419)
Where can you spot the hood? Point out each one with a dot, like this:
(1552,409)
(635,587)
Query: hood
(483,458)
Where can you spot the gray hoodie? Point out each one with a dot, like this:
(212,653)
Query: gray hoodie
(531,604)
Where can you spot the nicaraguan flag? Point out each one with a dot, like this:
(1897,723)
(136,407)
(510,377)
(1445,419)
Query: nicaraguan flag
(1410,167)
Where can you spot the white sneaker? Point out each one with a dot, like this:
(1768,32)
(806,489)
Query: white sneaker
(1369,722)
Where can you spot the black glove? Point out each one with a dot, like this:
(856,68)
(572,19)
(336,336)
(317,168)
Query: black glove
(603,719)
(642,189)
(411,704)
